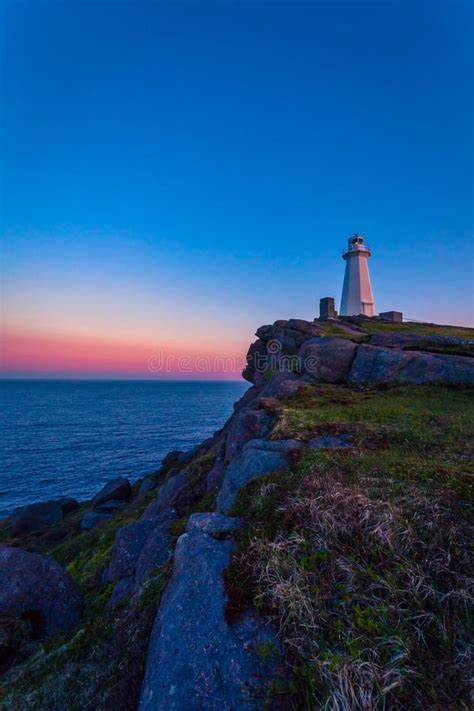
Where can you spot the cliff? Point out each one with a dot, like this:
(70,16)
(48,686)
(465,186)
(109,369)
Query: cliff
(313,553)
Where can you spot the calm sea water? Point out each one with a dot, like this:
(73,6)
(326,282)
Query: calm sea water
(67,438)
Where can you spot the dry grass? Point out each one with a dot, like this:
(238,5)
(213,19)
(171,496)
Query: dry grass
(371,595)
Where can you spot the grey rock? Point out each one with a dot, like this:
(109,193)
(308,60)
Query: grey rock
(181,492)
(172,458)
(156,550)
(375,366)
(92,519)
(188,456)
(37,587)
(138,546)
(117,489)
(35,517)
(168,495)
(309,328)
(68,505)
(110,506)
(244,425)
(277,445)
(257,458)
(330,442)
(215,476)
(146,486)
(285,341)
(256,359)
(129,541)
(121,592)
(195,659)
(251,394)
(264,332)
(282,385)
(327,359)
(214,524)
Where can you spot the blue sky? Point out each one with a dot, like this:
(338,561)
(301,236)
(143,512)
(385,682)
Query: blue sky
(199,166)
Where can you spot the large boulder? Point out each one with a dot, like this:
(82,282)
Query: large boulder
(196,659)
(35,517)
(129,540)
(92,519)
(247,397)
(68,505)
(180,492)
(257,458)
(146,486)
(172,458)
(36,587)
(309,328)
(243,426)
(133,539)
(169,494)
(327,359)
(376,366)
(215,477)
(283,385)
(121,592)
(256,362)
(156,549)
(118,490)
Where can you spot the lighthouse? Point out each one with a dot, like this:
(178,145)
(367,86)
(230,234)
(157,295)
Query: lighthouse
(357,297)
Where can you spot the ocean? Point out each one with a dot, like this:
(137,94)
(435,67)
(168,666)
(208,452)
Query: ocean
(68,438)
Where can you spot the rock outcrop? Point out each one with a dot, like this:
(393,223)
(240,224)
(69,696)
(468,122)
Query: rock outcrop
(297,352)
(196,659)
(258,457)
(139,548)
(376,366)
(116,490)
(37,588)
(327,359)
(35,517)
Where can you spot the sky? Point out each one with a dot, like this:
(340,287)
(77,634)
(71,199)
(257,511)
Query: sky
(174,175)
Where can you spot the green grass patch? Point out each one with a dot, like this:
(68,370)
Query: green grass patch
(361,556)
(428,329)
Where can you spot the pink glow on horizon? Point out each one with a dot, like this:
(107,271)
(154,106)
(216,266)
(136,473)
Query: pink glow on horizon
(40,354)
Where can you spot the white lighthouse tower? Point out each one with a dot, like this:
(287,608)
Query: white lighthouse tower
(357,297)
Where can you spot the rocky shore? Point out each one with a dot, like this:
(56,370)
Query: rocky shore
(236,576)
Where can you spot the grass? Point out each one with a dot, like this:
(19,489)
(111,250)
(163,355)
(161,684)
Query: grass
(361,557)
(99,668)
(428,329)
(100,665)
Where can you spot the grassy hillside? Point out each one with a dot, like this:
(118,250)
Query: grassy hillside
(362,556)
